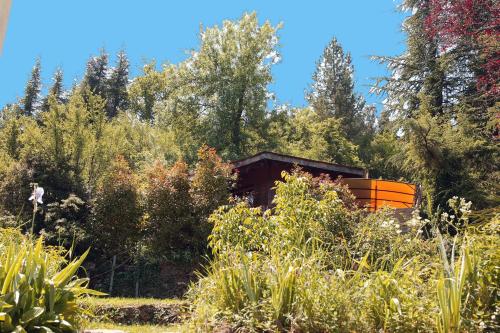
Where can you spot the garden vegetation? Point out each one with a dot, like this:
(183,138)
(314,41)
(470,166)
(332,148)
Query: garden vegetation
(39,285)
(314,264)
(138,169)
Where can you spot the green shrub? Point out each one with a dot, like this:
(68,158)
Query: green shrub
(64,223)
(240,227)
(398,300)
(169,218)
(37,293)
(116,212)
(314,263)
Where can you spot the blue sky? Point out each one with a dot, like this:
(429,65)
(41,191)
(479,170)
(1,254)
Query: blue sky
(65,33)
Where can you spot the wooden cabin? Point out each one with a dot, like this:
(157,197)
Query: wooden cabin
(258,174)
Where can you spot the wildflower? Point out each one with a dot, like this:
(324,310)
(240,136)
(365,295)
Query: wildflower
(37,195)
(413,222)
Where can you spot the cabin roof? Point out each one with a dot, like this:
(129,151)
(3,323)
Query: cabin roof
(333,167)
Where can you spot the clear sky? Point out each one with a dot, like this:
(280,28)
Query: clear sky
(65,33)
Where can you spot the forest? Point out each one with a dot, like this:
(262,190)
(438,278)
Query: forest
(138,170)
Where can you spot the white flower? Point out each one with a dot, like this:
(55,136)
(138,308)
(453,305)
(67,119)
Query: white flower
(413,222)
(37,195)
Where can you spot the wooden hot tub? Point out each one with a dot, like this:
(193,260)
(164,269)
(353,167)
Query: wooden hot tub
(376,193)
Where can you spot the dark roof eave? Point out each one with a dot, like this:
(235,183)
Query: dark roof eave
(301,162)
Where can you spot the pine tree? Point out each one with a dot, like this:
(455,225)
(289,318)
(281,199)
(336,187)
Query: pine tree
(332,92)
(96,74)
(31,97)
(440,115)
(56,90)
(117,97)
(418,70)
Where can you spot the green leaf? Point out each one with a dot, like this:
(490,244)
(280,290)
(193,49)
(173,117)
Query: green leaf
(32,314)
(395,304)
(19,329)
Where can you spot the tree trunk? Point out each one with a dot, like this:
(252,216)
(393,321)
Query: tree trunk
(236,139)
(113,264)
(137,278)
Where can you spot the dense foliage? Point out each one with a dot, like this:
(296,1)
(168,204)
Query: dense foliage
(442,100)
(315,264)
(39,288)
(126,164)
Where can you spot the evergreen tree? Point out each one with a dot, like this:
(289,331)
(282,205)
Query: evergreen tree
(96,75)
(332,92)
(56,90)
(117,97)
(31,97)
(439,114)
(421,69)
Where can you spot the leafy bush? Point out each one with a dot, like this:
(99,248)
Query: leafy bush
(169,219)
(64,223)
(306,209)
(37,293)
(210,188)
(314,263)
(116,212)
(177,205)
